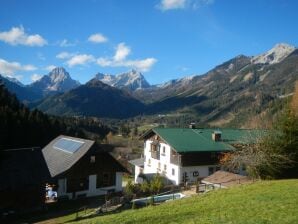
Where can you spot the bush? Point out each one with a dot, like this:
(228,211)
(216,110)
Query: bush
(156,184)
(129,189)
(145,187)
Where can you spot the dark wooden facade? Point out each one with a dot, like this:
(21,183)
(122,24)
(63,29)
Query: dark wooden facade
(199,158)
(94,162)
(23,175)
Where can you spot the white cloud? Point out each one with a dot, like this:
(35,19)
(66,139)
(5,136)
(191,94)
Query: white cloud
(65,55)
(11,68)
(50,67)
(172,4)
(200,3)
(104,62)
(75,58)
(97,38)
(35,77)
(165,5)
(28,68)
(119,60)
(80,59)
(122,51)
(67,43)
(17,35)
(141,65)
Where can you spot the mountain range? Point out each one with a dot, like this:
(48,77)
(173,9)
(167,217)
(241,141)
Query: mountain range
(95,98)
(56,81)
(59,81)
(238,92)
(132,80)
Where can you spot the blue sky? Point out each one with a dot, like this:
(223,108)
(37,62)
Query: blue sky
(164,39)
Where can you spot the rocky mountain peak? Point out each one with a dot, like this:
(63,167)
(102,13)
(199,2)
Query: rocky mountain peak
(275,55)
(58,74)
(57,80)
(131,80)
(12,79)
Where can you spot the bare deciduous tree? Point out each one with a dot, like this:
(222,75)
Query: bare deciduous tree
(259,159)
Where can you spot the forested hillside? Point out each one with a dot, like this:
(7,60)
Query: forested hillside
(20,127)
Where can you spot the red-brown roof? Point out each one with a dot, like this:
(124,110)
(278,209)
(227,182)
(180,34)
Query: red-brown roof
(226,179)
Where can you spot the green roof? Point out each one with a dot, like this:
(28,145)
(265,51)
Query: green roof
(200,140)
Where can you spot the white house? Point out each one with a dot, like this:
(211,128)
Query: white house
(79,168)
(186,154)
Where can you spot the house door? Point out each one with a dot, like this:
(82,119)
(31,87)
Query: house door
(185,177)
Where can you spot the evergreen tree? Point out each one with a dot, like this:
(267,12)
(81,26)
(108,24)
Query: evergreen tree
(20,127)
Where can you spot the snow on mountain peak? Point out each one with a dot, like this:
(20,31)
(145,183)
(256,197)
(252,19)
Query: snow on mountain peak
(132,80)
(105,78)
(57,80)
(275,55)
(12,79)
(182,81)
(58,74)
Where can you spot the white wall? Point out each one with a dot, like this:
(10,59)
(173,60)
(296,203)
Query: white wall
(138,170)
(92,190)
(202,170)
(164,160)
(118,186)
(61,187)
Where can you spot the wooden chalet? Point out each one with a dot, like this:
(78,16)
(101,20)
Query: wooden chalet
(81,168)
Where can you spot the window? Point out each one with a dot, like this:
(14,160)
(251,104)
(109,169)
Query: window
(105,179)
(158,166)
(68,145)
(153,148)
(195,174)
(149,162)
(164,150)
(92,159)
(173,171)
(165,167)
(211,170)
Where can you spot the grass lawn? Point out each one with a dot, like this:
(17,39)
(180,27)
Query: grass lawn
(262,202)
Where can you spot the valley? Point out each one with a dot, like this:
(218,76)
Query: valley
(232,94)
(164,111)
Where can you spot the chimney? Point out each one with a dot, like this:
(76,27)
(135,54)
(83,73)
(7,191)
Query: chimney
(192,125)
(216,136)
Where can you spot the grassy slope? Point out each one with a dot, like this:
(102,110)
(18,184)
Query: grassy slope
(264,202)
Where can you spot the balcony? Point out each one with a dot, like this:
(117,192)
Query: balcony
(175,158)
(155,154)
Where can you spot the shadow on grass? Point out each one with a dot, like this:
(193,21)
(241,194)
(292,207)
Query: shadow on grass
(62,210)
